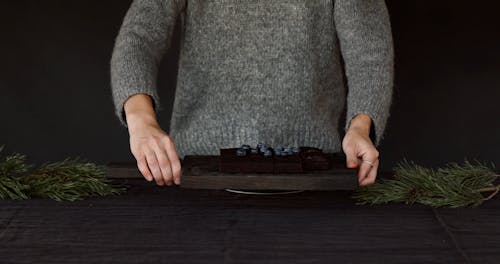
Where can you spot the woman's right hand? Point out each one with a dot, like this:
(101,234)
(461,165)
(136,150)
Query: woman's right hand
(153,149)
(156,155)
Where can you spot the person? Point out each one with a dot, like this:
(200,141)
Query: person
(277,72)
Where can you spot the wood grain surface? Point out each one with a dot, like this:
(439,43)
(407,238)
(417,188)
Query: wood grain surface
(202,172)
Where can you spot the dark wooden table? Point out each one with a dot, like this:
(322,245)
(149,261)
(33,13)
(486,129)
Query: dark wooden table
(153,224)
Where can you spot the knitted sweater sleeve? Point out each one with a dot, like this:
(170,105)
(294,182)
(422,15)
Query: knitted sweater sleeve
(143,38)
(364,32)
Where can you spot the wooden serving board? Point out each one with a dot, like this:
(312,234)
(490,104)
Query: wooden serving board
(202,172)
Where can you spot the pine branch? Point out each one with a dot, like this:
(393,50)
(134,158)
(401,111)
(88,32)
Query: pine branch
(453,185)
(10,169)
(70,180)
(67,180)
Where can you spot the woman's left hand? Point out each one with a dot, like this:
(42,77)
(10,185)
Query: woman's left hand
(357,147)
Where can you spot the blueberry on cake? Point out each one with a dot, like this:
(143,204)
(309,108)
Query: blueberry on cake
(278,159)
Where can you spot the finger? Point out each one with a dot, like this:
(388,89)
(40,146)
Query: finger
(153,167)
(142,164)
(163,163)
(175,163)
(372,175)
(143,168)
(371,154)
(351,157)
(365,167)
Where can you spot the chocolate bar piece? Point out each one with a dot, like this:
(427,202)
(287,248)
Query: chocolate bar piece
(250,163)
(314,159)
(288,164)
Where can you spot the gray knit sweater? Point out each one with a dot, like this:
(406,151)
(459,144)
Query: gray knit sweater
(277,72)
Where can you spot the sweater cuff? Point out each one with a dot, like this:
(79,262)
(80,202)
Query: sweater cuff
(121,98)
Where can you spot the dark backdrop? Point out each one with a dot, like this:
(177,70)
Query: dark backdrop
(55,98)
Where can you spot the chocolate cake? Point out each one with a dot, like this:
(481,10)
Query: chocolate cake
(287,164)
(264,159)
(314,159)
(253,162)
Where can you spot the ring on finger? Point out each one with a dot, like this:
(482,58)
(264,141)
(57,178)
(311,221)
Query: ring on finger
(369,162)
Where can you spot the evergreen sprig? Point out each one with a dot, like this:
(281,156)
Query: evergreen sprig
(454,185)
(10,169)
(67,180)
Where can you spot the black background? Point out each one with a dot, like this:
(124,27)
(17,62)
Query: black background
(55,99)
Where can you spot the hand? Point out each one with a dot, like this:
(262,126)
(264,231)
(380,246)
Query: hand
(155,153)
(357,144)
